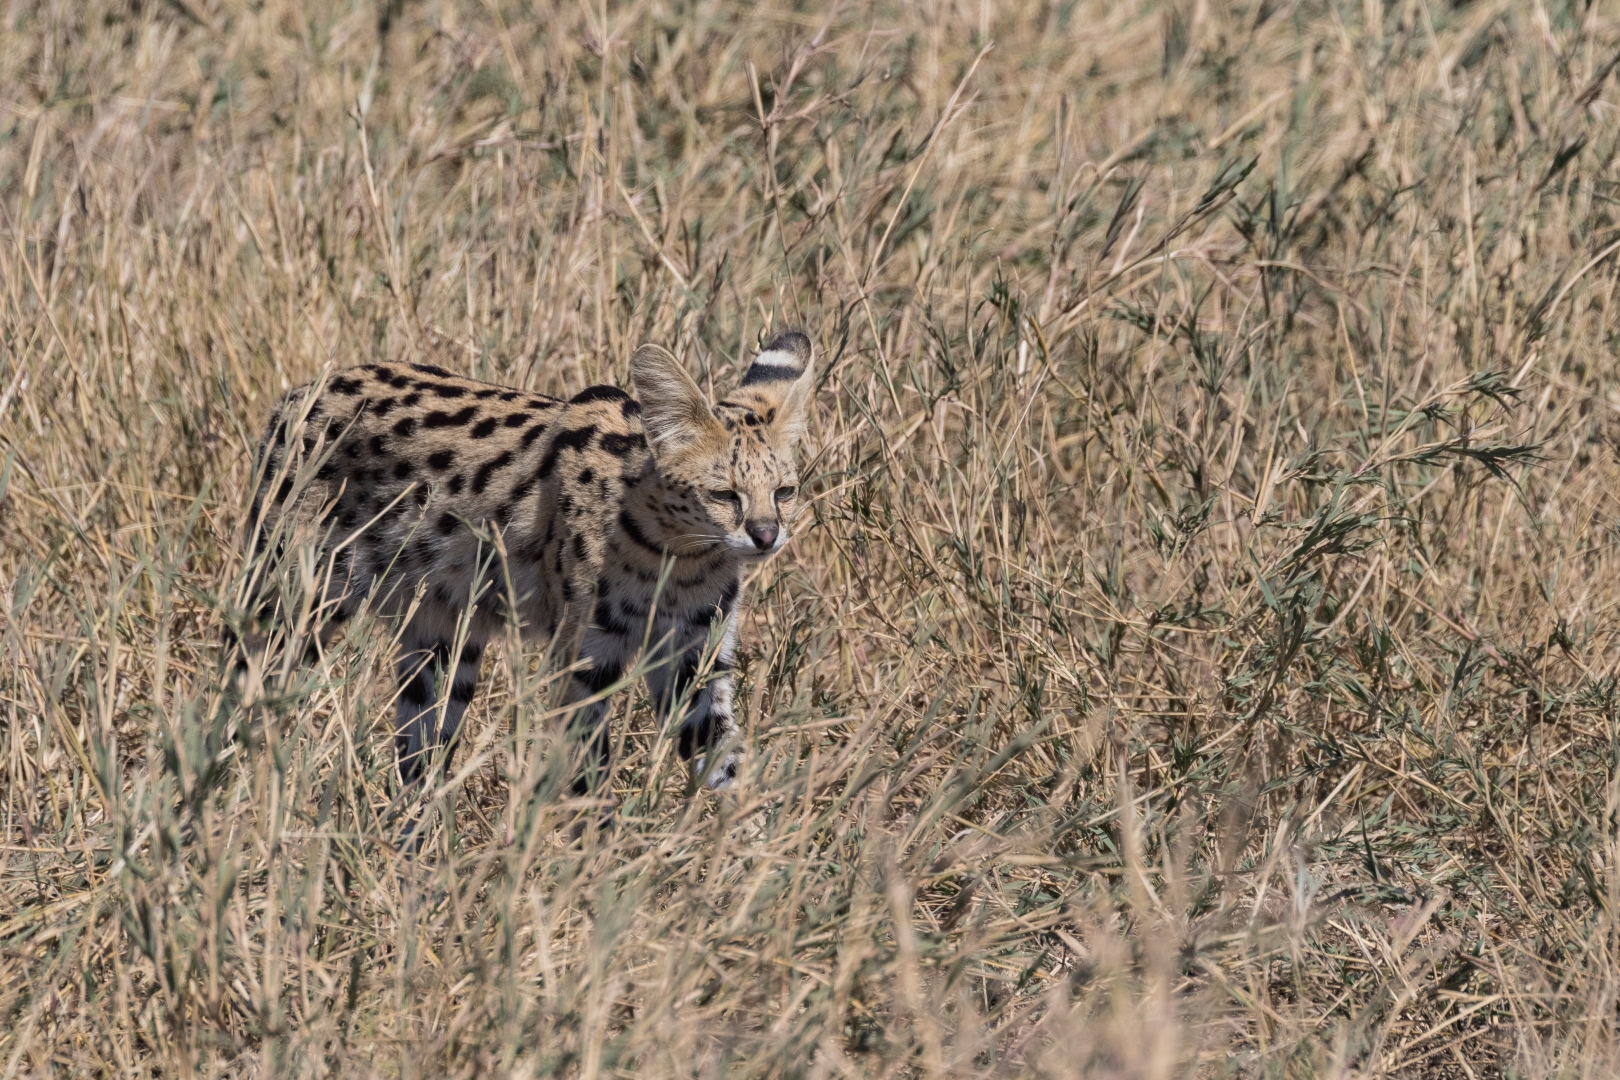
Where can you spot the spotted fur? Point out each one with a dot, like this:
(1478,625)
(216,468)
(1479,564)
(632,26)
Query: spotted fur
(622,522)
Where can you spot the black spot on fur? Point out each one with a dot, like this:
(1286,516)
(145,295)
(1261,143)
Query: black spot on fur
(579,547)
(429,369)
(405,427)
(608,621)
(488,469)
(346,387)
(403,470)
(630,407)
(446,524)
(420,495)
(523,489)
(637,537)
(517,419)
(598,393)
(410,400)
(586,476)
(419,691)
(573,439)
(696,736)
(484,428)
(703,572)
(455,484)
(441,460)
(510,395)
(728,596)
(533,434)
(437,419)
(284,490)
(463,692)
(599,678)
(450,391)
(384,407)
(485,395)
(621,445)
(399,382)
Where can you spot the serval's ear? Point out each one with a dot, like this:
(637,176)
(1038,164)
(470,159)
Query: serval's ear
(674,411)
(780,383)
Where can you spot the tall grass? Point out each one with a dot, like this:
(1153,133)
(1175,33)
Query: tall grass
(1199,658)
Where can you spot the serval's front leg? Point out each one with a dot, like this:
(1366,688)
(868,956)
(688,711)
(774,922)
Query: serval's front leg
(693,686)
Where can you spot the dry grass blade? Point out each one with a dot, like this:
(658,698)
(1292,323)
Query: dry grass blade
(1199,659)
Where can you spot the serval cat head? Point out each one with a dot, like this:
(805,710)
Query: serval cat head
(729,466)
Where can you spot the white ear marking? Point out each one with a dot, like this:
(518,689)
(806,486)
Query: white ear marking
(780,361)
(777,358)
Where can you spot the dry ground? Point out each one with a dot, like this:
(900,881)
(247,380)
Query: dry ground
(1200,657)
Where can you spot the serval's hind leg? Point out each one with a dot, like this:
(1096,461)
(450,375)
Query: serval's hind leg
(424,724)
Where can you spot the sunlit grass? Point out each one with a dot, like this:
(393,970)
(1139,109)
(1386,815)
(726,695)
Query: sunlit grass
(1198,659)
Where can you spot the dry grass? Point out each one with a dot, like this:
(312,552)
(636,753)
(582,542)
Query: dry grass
(1201,658)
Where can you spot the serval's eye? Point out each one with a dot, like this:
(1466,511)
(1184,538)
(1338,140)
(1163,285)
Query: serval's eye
(783,494)
(726,496)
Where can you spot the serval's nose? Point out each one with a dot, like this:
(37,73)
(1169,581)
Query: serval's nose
(763,535)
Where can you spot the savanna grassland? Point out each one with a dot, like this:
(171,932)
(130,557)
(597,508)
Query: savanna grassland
(1198,657)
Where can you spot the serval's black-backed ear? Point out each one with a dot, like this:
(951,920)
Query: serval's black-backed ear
(790,416)
(674,411)
(780,383)
(784,360)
